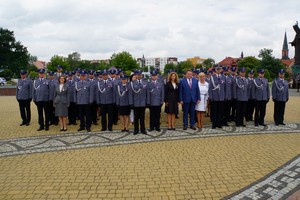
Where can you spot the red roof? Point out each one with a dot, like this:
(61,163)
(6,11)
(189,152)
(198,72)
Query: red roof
(288,62)
(229,62)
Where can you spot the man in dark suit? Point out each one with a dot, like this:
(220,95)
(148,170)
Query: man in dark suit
(189,95)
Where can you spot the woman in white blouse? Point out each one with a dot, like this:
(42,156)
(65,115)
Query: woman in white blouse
(202,105)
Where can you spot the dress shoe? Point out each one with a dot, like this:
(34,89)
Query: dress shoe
(22,124)
(123,130)
(27,124)
(144,132)
(185,128)
(65,129)
(103,129)
(173,129)
(276,124)
(158,129)
(41,128)
(47,129)
(283,124)
(193,127)
(219,126)
(61,129)
(151,129)
(135,132)
(80,129)
(110,129)
(88,129)
(213,127)
(127,130)
(170,129)
(256,125)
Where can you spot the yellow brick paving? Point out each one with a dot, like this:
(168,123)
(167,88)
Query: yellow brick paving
(204,168)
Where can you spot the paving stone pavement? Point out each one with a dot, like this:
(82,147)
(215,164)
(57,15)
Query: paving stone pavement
(19,146)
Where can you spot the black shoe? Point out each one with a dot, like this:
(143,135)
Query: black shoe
(185,128)
(103,129)
(65,129)
(193,127)
(135,132)
(27,124)
(243,125)
(213,127)
(41,128)
(127,130)
(110,129)
(144,132)
(219,126)
(88,129)
(237,125)
(170,129)
(173,129)
(22,124)
(255,124)
(158,129)
(151,129)
(283,124)
(61,129)
(123,130)
(276,124)
(80,129)
(47,129)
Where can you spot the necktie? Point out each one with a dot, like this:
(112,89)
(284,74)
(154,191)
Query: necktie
(190,83)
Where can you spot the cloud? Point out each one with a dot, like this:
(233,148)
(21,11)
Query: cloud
(98,28)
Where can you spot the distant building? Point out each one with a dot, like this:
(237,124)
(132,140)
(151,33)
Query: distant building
(285,59)
(158,63)
(229,62)
(196,60)
(40,64)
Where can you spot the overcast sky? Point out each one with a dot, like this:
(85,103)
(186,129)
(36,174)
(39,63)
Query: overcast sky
(155,28)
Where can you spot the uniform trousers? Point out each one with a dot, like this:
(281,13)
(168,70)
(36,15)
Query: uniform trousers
(107,109)
(279,108)
(43,108)
(233,109)
(216,110)
(85,115)
(53,119)
(72,112)
(94,112)
(241,108)
(155,117)
(250,109)
(227,107)
(139,119)
(189,109)
(260,112)
(25,112)
(115,113)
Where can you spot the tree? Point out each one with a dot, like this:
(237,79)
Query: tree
(199,66)
(169,66)
(13,55)
(209,62)
(268,61)
(58,60)
(250,62)
(184,66)
(73,60)
(123,60)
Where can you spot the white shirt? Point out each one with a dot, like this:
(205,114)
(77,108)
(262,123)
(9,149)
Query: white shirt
(61,87)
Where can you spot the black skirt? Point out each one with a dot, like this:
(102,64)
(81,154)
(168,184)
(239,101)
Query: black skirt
(124,110)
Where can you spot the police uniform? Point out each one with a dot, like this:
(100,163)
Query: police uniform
(262,96)
(41,92)
(280,95)
(155,100)
(116,81)
(24,97)
(251,100)
(58,73)
(234,101)
(138,99)
(228,97)
(52,84)
(94,105)
(106,98)
(241,94)
(72,109)
(83,99)
(216,93)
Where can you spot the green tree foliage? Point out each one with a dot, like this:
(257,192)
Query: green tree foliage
(124,60)
(250,62)
(209,62)
(169,66)
(184,66)
(13,55)
(58,60)
(73,60)
(268,61)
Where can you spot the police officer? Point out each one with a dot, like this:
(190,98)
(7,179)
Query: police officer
(59,72)
(228,95)
(24,97)
(216,93)
(155,100)
(240,93)
(116,81)
(262,96)
(280,95)
(251,100)
(41,92)
(94,105)
(83,98)
(122,101)
(233,75)
(138,99)
(72,109)
(106,99)
(53,81)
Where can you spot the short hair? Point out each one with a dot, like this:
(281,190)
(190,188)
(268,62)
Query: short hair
(201,74)
(61,76)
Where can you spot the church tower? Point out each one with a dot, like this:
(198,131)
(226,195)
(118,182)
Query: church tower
(285,49)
